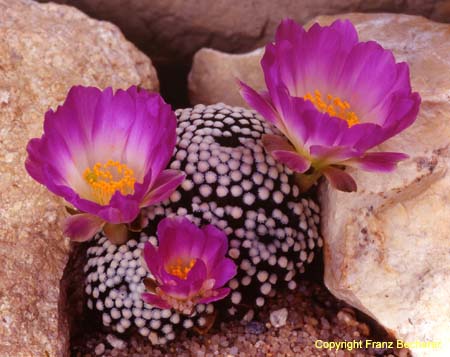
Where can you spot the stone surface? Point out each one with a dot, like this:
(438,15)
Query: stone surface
(213,76)
(387,246)
(278,317)
(172,31)
(44,49)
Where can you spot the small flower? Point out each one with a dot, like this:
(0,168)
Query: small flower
(333,98)
(106,154)
(188,267)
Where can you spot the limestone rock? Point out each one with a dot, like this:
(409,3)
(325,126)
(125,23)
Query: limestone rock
(387,246)
(214,74)
(171,31)
(45,49)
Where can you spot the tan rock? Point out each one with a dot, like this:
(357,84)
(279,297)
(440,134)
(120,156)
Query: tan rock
(45,49)
(387,246)
(214,74)
(172,31)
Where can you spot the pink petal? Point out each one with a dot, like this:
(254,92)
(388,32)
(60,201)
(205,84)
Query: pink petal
(292,160)
(378,161)
(197,273)
(308,60)
(219,295)
(223,272)
(155,300)
(178,237)
(333,154)
(82,227)
(339,179)
(367,76)
(284,152)
(182,290)
(259,103)
(151,258)
(288,30)
(215,247)
(163,187)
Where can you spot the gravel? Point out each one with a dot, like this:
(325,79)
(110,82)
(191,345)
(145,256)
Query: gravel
(255,327)
(312,313)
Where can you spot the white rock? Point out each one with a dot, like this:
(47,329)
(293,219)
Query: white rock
(387,247)
(278,317)
(213,76)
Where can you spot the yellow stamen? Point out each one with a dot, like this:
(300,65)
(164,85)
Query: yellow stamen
(334,106)
(106,179)
(181,268)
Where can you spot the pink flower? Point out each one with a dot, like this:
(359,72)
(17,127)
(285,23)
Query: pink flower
(106,154)
(334,98)
(189,266)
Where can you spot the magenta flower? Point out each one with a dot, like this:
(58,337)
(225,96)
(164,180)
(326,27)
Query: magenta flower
(105,153)
(188,267)
(333,98)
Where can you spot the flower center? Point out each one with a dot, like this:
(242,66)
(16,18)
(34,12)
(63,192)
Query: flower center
(106,179)
(181,268)
(334,106)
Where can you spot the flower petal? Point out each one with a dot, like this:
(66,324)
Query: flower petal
(339,179)
(178,237)
(181,291)
(154,133)
(368,74)
(155,300)
(259,103)
(197,273)
(223,272)
(218,294)
(215,246)
(308,60)
(82,227)
(163,187)
(333,154)
(151,258)
(378,161)
(121,209)
(282,151)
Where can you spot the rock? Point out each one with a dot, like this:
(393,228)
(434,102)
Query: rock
(278,317)
(387,246)
(213,76)
(255,327)
(45,50)
(172,31)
